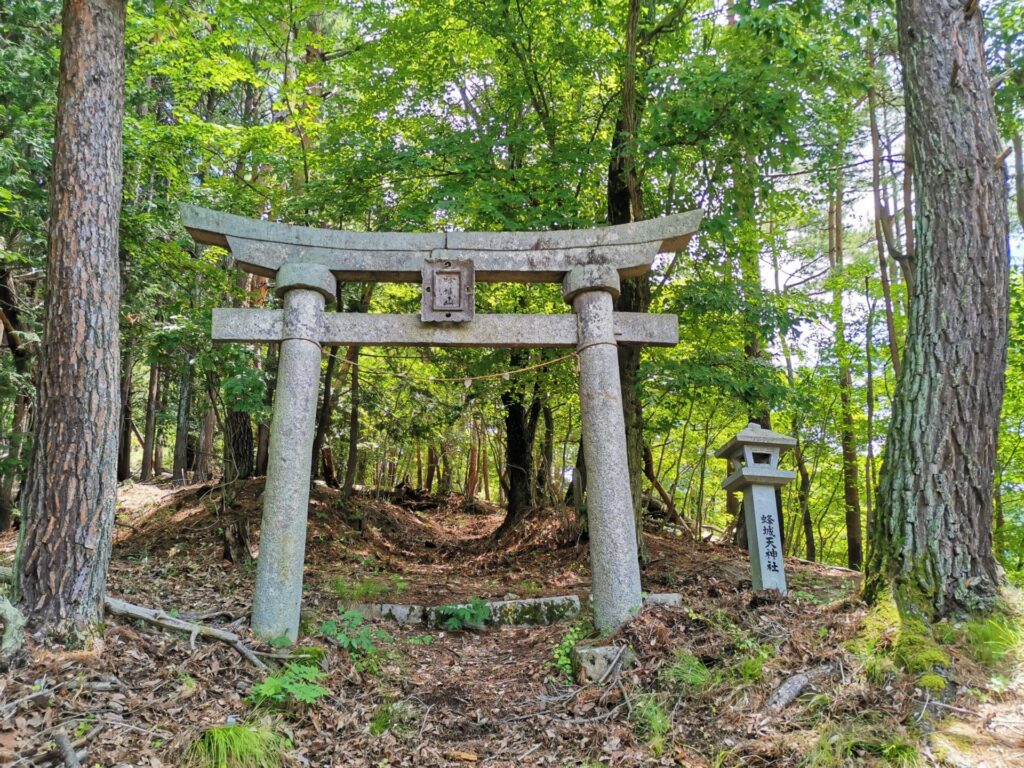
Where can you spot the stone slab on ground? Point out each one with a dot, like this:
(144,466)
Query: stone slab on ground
(673,599)
(532,612)
(595,663)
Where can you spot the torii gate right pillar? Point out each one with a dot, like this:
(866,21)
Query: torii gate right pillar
(614,564)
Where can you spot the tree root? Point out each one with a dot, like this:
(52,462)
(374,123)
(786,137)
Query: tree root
(14,623)
(165,620)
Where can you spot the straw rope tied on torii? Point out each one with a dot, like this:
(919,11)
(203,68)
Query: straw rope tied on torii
(307,263)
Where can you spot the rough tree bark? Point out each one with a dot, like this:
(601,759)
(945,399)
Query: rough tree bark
(933,532)
(71,485)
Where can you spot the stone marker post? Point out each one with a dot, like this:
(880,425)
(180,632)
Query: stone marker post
(615,569)
(306,289)
(754,455)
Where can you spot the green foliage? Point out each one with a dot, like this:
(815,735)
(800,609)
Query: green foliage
(370,588)
(651,721)
(687,673)
(993,639)
(391,716)
(238,746)
(562,652)
(471,615)
(839,746)
(362,641)
(296,684)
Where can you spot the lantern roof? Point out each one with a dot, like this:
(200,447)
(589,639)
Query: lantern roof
(755,435)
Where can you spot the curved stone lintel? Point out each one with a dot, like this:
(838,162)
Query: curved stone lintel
(314,277)
(590,277)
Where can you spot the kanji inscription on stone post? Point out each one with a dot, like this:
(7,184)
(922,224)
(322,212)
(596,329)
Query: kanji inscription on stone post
(754,456)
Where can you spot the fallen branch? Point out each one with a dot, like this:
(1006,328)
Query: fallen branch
(162,619)
(792,687)
(67,750)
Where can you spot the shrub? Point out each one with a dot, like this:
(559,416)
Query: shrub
(238,746)
(296,684)
(351,633)
(469,616)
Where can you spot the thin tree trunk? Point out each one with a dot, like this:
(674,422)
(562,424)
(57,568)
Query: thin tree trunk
(473,470)
(181,431)
(202,469)
(1018,174)
(158,448)
(71,486)
(431,467)
(933,532)
(149,441)
(263,430)
(352,462)
(848,439)
(124,445)
(881,216)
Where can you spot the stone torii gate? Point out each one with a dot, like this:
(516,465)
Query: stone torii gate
(308,262)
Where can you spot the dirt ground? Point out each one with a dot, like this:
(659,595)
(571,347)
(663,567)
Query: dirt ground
(495,697)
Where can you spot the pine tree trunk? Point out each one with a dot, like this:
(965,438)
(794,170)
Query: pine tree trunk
(933,532)
(202,469)
(238,447)
(71,487)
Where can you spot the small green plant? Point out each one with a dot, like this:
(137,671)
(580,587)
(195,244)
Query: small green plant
(420,639)
(529,587)
(471,615)
(750,667)
(391,716)
(238,746)
(562,652)
(851,743)
(687,673)
(85,726)
(351,633)
(994,638)
(369,589)
(651,722)
(296,684)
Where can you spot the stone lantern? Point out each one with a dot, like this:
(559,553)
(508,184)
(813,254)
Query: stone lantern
(754,458)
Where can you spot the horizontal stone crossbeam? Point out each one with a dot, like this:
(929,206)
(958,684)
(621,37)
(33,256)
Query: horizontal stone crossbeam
(496,331)
(263,247)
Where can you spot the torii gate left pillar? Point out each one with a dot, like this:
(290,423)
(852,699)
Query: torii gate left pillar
(306,289)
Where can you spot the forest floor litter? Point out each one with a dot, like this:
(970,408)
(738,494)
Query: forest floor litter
(729,677)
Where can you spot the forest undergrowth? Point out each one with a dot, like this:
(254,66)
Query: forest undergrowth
(708,689)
